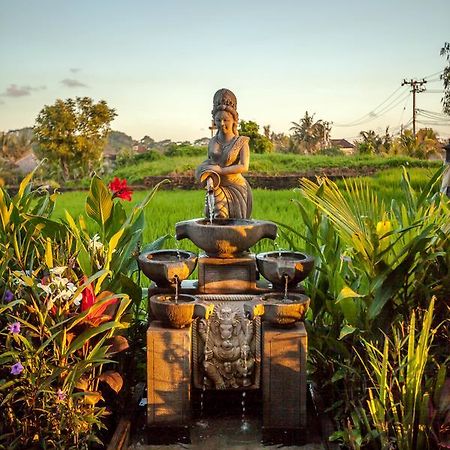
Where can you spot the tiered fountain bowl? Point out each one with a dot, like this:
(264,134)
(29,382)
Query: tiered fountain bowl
(165,267)
(283,311)
(279,310)
(180,312)
(168,268)
(225,238)
(283,267)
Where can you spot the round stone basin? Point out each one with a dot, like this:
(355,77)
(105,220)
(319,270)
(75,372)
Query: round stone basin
(277,266)
(165,266)
(225,238)
(281,312)
(180,312)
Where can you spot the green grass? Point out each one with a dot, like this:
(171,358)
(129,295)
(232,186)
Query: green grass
(274,164)
(169,207)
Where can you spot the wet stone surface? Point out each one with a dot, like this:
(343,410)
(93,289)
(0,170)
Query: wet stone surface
(224,425)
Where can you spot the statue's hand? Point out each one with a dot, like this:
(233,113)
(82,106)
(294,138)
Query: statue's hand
(213,168)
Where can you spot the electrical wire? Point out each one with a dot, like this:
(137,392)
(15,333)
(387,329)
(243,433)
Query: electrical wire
(390,106)
(369,114)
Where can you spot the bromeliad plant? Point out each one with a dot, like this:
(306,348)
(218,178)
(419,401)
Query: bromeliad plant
(63,313)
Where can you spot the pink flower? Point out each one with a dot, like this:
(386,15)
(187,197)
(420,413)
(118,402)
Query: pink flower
(14,328)
(16,368)
(61,396)
(120,189)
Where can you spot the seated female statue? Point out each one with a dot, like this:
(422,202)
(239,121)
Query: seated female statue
(228,159)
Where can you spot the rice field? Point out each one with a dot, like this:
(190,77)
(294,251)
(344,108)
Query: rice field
(169,207)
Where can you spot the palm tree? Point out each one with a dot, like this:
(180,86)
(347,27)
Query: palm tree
(310,135)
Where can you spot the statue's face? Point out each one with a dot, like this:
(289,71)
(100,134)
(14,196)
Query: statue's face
(224,121)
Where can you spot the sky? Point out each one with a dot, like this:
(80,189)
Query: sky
(158,63)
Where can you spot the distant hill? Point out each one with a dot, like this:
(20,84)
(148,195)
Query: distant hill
(117,141)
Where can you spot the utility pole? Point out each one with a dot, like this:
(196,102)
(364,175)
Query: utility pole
(416,86)
(212,128)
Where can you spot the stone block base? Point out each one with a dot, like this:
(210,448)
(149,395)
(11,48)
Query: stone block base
(168,375)
(226,276)
(284,378)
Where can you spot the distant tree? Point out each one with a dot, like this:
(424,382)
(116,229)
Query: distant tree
(281,142)
(372,143)
(309,135)
(258,142)
(445,51)
(147,141)
(424,145)
(73,133)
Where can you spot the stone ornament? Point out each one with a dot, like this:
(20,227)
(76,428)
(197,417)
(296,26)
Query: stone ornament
(228,159)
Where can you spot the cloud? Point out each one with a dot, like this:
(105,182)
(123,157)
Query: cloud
(74,69)
(20,91)
(71,82)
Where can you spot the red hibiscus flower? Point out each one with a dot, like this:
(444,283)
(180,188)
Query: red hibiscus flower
(103,312)
(120,189)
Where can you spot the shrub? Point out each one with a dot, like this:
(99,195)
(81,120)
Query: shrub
(64,292)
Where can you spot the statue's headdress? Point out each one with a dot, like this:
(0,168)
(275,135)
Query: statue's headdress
(224,100)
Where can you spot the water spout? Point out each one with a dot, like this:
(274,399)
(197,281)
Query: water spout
(177,287)
(210,198)
(286,281)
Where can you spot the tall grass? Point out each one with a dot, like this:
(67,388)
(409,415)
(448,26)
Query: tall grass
(169,207)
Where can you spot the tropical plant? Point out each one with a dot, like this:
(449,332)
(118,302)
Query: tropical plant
(424,145)
(373,144)
(373,266)
(310,135)
(65,295)
(400,392)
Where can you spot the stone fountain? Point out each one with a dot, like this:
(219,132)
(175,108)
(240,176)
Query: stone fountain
(240,332)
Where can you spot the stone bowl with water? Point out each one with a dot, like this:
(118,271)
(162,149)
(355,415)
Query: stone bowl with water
(167,267)
(284,269)
(178,311)
(279,310)
(225,238)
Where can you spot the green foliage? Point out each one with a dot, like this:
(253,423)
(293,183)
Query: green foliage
(73,134)
(373,265)
(269,163)
(174,150)
(65,295)
(309,136)
(373,144)
(330,151)
(400,392)
(258,142)
(423,145)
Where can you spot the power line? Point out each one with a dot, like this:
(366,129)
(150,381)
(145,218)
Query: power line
(376,114)
(369,114)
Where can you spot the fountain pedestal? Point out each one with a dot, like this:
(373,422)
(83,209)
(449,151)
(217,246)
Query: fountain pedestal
(284,380)
(220,275)
(168,375)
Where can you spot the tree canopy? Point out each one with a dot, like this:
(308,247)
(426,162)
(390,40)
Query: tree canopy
(72,133)
(309,135)
(258,142)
